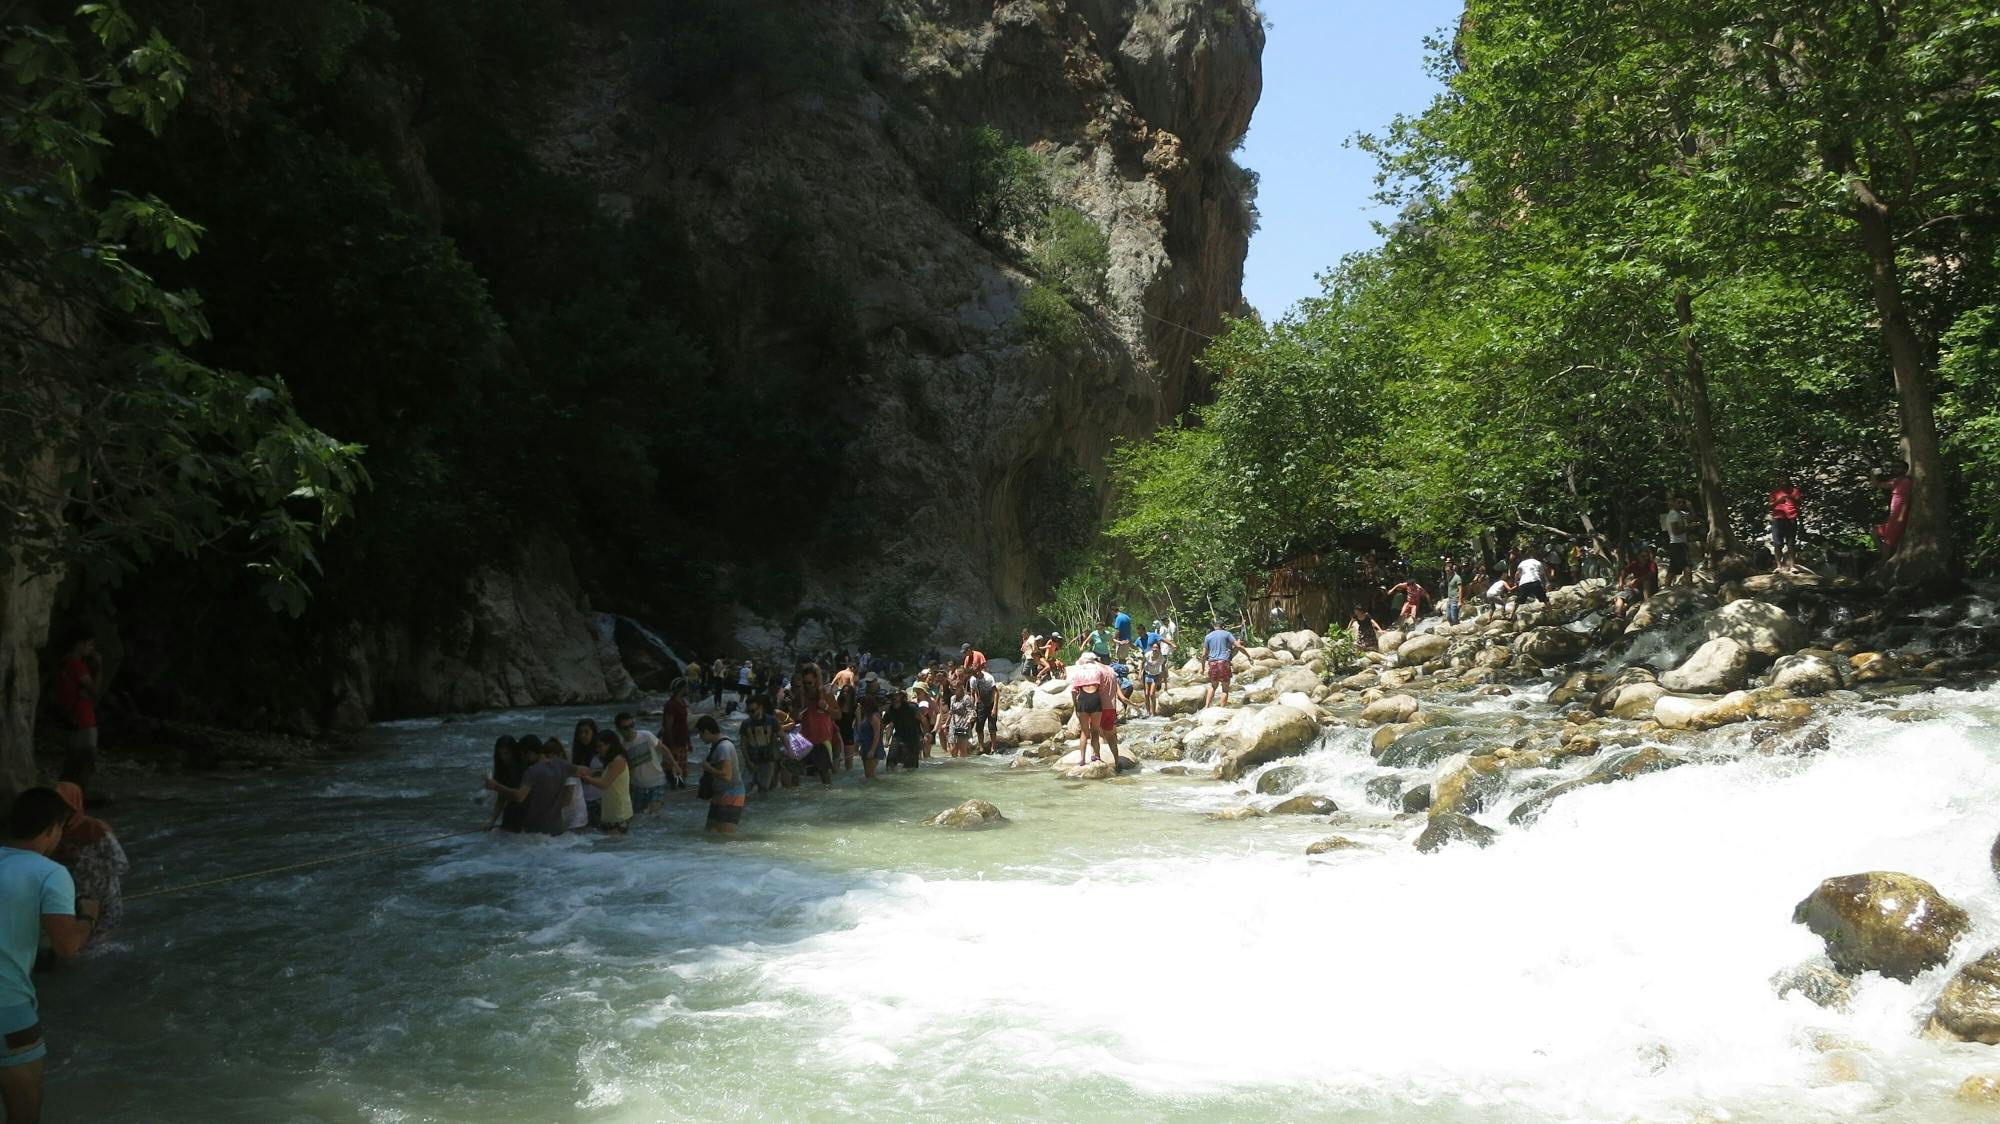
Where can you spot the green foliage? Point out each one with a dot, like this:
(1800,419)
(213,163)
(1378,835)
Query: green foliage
(996,187)
(1072,253)
(116,444)
(1343,655)
(1080,602)
(1048,319)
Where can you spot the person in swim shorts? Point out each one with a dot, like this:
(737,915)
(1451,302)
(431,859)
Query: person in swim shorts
(1219,646)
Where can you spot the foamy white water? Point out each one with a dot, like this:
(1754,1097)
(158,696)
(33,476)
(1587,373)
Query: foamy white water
(1111,955)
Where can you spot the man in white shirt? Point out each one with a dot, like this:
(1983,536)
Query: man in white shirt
(1674,524)
(1528,580)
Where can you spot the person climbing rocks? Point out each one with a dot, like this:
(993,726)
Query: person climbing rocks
(1414,596)
(38,899)
(1896,481)
(1367,634)
(970,658)
(1529,582)
(1121,634)
(1639,580)
(1219,646)
(1785,500)
(1497,596)
(1092,691)
(725,773)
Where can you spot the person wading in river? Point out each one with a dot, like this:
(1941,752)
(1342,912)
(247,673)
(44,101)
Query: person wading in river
(725,775)
(76,695)
(816,715)
(674,732)
(37,899)
(642,753)
(1153,672)
(985,709)
(613,783)
(906,734)
(1219,646)
(760,733)
(542,792)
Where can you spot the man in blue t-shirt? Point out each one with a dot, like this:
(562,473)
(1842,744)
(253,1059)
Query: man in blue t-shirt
(1121,630)
(1220,646)
(37,897)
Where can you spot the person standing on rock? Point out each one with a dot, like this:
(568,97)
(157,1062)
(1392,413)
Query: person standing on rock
(1153,673)
(1785,501)
(1219,646)
(1497,595)
(1093,691)
(1639,580)
(1529,583)
(1454,591)
(986,709)
(971,658)
(1674,525)
(1121,634)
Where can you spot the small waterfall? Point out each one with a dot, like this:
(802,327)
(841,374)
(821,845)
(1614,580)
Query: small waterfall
(652,639)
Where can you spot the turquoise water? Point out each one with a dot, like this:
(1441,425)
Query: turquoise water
(1112,954)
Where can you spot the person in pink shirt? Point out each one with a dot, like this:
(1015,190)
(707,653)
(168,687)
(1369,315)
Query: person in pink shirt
(1093,688)
(1785,525)
(1897,481)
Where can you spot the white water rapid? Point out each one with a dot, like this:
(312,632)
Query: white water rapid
(1112,954)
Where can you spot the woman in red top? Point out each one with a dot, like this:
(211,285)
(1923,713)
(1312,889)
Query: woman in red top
(1897,481)
(674,733)
(1785,525)
(817,715)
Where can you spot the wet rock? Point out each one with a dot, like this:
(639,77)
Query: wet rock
(1651,759)
(1334,843)
(1236,814)
(1174,771)
(1279,781)
(973,815)
(1980,1088)
(1300,642)
(1254,737)
(1359,681)
(1161,745)
(1551,645)
(1717,666)
(1389,708)
(1295,679)
(1464,783)
(1417,799)
(1582,684)
(1389,791)
(1969,1007)
(1446,828)
(1668,606)
(1634,702)
(1818,981)
(1761,628)
(1881,921)
(1421,649)
(1182,700)
(1673,712)
(1419,747)
(1017,727)
(1873,667)
(1805,675)
(1388,640)
(1305,804)
(1095,771)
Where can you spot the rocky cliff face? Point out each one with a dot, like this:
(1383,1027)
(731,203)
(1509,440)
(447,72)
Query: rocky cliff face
(982,442)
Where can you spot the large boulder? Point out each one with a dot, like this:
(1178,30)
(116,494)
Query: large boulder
(1650,759)
(973,815)
(1422,649)
(1760,627)
(1668,606)
(1388,640)
(1551,645)
(1969,1008)
(1295,679)
(1675,712)
(1389,708)
(1805,675)
(1719,665)
(1634,702)
(1895,924)
(1446,828)
(1466,782)
(1298,643)
(1182,700)
(1026,727)
(1259,735)
(1059,705)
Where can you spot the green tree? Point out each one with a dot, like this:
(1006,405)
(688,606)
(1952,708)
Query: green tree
(115,445)
(997,187)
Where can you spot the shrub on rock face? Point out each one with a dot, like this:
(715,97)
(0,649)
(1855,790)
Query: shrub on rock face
(1895,924)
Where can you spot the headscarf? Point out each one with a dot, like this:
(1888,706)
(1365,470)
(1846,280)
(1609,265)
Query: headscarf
(80,831)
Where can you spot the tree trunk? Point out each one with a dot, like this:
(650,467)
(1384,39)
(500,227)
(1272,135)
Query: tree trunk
(27,604)
(1720,542)
(1923,559)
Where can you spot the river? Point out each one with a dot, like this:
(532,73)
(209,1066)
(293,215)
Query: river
(1112,954)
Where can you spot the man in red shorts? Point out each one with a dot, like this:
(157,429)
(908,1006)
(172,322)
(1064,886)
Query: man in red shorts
(1220,645)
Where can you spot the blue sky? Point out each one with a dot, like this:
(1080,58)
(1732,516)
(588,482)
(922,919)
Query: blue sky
(1332,68)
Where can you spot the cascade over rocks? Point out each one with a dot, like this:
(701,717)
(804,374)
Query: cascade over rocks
(1650,759)
(1881,921)
(1389,708)
(1254,737)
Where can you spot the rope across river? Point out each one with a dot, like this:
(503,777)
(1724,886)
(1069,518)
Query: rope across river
(383,850)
